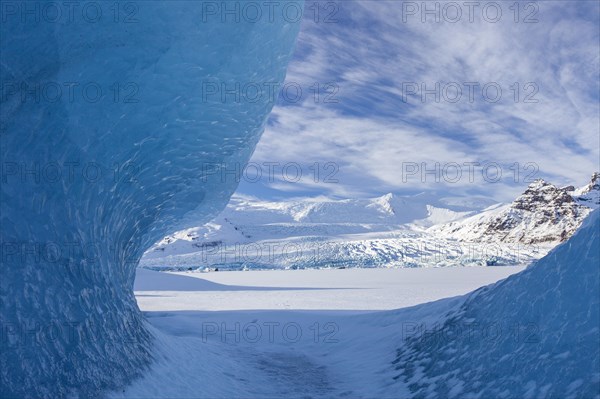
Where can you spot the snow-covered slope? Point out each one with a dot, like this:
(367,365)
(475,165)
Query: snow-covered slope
(389,209)
(544,213)
(535,334)
(589,195)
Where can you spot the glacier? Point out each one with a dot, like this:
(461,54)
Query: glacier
(111,132)
(532,335)
(387,231)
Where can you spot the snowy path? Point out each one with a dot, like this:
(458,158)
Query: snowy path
(260,334)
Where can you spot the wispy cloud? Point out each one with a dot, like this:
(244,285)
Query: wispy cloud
(377,55)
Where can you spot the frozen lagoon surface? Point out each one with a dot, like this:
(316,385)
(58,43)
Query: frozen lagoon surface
(291,333)
(331,289)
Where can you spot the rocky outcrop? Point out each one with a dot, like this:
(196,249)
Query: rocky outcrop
(544,213)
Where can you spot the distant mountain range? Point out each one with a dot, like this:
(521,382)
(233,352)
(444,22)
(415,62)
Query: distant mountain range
(388,231)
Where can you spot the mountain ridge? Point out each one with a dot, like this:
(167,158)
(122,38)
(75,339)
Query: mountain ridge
(543,213)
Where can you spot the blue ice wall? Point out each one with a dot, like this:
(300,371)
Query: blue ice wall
(116,120)
(534,335)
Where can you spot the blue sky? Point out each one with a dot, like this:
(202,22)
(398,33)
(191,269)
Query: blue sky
(378,132)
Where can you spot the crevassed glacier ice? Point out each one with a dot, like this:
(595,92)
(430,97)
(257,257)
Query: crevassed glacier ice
(534,335)
(111,131)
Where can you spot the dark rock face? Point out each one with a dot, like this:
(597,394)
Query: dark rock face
(543,207)
(543,196)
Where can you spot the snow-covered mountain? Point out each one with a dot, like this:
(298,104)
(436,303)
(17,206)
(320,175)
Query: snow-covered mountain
(388,231)
(247,221)
(544,213)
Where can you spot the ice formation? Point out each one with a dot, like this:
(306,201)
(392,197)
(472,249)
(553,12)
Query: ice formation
(532,335)
(112,128)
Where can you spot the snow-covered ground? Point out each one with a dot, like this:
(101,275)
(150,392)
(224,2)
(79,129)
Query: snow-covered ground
(295,333)
(355,332)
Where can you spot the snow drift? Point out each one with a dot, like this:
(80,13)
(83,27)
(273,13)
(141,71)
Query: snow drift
(94,174)
(535,334)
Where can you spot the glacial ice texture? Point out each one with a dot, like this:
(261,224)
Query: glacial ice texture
(534,335)
(111,131)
